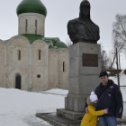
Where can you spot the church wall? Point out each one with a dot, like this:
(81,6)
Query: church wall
(39,68)
(30,26)
(58,74)
(16,66)
(2,64)
(63,68)
(53,68)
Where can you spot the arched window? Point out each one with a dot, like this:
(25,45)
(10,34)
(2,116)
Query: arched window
(63,66)
(26,25)
(35,26)
(39,54)
(19,54)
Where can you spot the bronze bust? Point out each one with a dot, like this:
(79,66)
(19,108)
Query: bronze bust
(83,29)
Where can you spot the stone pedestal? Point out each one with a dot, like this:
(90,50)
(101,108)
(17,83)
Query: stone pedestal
(85,66)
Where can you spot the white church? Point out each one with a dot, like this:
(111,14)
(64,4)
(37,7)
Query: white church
(29,60)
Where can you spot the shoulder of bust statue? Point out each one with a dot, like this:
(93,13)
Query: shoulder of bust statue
(73,21)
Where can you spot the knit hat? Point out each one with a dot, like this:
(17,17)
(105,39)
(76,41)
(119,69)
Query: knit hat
(103,73)
(93,97)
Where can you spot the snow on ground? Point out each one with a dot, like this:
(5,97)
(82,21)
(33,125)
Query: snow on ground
(18,108)
(122,78)
(57,92)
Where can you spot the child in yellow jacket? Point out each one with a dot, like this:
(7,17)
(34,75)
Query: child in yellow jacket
(90,117)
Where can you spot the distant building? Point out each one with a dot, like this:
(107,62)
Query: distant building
(29,60)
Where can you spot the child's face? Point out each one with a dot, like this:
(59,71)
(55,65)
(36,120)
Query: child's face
(95,101)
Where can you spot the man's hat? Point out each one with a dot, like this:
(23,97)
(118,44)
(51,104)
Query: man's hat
(103,73)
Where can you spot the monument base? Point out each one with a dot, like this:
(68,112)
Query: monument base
(58,120)
(69,114)
(55,120)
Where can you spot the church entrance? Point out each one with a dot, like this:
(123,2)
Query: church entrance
(18,81)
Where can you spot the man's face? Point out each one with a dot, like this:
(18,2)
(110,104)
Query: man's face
(85,11)
(104,80)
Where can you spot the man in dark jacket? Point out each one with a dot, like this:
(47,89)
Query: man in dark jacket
(109,96)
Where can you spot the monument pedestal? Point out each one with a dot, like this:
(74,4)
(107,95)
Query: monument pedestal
(85,66)
(71,115)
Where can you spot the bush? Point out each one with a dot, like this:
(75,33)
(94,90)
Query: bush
(124,71)
(113,72)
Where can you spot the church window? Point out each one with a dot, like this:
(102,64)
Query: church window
(39,54)
(19,54)
(35,26)
(38,76)
(26,25)
(63,66)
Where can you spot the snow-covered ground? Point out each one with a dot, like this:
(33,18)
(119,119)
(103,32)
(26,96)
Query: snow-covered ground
(18,108)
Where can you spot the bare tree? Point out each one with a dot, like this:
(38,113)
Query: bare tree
(119,36)
(104,60)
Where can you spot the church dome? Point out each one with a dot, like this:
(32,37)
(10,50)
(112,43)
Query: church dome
(33,6)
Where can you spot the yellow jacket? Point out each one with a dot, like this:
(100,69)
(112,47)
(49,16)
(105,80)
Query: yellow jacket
(90,117)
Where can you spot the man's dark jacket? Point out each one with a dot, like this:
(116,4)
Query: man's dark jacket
(110,97)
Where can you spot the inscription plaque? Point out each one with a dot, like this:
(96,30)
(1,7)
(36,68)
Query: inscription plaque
(90,60)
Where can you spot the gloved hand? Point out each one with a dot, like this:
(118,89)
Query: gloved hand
(106,110)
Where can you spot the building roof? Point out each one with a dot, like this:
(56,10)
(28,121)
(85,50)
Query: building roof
(53,42)
(33,6)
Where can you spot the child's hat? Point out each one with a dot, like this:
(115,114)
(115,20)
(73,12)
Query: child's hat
(93,97)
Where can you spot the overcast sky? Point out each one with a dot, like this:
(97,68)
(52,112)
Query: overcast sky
(59,12)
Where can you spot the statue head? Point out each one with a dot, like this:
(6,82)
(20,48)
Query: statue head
(85,9)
